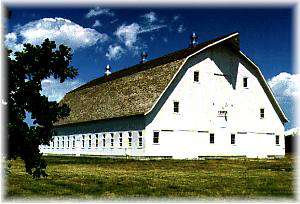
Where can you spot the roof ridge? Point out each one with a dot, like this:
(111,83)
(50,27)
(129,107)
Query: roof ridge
(172,56)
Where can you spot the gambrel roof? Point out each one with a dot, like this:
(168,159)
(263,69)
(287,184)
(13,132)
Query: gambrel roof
(136,90)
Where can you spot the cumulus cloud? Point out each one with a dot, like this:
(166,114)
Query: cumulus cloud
(99,11)
(97,24)
(128,34)
(10,41)
(286,88)
(285,84)
(114,52)
(62,31)
(55,90)
(150,17)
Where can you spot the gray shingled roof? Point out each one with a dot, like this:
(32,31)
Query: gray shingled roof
(130,91)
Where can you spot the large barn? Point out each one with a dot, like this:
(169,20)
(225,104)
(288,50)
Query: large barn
(205,100)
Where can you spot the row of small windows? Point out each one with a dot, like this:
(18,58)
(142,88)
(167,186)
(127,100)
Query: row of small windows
(196,79)
(112,141)
(140,140)
(176,109)
(232,139)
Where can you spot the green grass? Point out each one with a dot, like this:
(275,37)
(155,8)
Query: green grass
(99,178)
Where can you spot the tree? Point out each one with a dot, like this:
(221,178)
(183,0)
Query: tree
(26,70)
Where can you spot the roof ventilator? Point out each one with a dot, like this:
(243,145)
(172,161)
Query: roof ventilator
(144,56)
(193,41)
(107,70)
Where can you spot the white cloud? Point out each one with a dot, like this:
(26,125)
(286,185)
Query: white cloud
(150,17)
(128,34)
(10,42)
(151,28)
(286,88)
(285,84)
(97,23)
(180,29)
(55,90)
(99,11)
(114,52)
(62,31)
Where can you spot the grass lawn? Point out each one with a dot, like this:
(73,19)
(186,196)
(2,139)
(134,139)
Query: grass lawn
(99,178)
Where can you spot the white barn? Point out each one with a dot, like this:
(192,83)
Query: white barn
(205,100)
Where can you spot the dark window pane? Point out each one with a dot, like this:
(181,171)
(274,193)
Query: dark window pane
(196,76)
(277,139)
(176,107)
(262,113)
(211,138)
(232,138)
(156,137)
(245,82)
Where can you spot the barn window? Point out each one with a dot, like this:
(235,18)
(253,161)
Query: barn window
(57,144)
(68,145)
(120,140)
(211,138)
(97,141)
(176,106)
(155,137)
(82,141)
(140,133)
(262,113)
(129,139)
(103,140)
(63,144)
(112,140)
(73,141)
(277,139)
(140,141)
(196,76)
(245,82)
(232,138)
(90,141)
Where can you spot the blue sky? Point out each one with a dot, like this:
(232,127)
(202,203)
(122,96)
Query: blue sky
(116,36)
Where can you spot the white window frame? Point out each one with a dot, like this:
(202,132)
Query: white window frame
(264,113)
(96,140)
(277,144)
(234,144)
(82,141)
(247,82)
(175,101)
(112,140)
(194,72)
(120,139)
(74,142)
(130,139)
(104,140)
(158,138)
(214,141)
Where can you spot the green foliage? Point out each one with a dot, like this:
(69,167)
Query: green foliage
(26,70)
(94,178)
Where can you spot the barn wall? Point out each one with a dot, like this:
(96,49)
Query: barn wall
(105,131)
(199,103)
